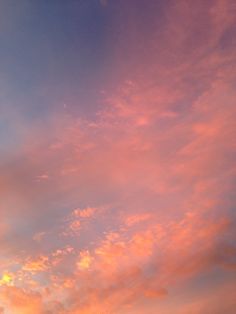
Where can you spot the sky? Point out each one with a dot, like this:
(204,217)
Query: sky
(117,157)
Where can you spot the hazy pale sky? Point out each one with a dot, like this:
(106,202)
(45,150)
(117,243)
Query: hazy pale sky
(117,156)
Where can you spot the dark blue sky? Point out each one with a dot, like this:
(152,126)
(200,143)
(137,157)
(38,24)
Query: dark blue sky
(56,52)
(52,52)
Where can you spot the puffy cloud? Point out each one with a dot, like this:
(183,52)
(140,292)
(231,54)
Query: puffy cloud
(36,265)
(85,260)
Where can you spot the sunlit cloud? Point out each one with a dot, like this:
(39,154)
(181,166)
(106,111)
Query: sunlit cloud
(120,201)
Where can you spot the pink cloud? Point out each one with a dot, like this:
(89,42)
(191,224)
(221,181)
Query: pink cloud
(119,212)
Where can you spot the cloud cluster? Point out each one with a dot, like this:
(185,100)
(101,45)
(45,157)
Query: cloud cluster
(128,211)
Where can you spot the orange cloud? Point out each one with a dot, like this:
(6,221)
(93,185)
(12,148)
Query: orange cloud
(20,301)
(85,260)
(132,220)
(156,162)
(36,265)
(84,213)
